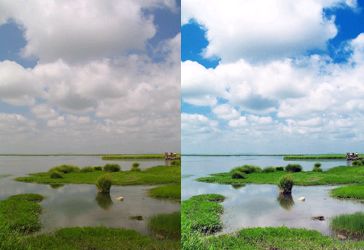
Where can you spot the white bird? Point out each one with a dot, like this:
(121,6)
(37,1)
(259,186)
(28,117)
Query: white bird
(302,198)
(120,198)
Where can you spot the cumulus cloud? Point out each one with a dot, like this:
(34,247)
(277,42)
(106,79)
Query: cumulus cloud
(81,30)
(310,96)
(94,87)
(263,29)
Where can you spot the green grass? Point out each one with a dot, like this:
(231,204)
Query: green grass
(349,192)
(97,238)
(171,191)
(21,213)
(333,176)
(316,157)
(132,156)
(195,221)
(166,226)
(150,176)
(351,225)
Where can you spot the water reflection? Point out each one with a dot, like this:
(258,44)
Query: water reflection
(237,186)
(285,201)
(56,185)
(104,200)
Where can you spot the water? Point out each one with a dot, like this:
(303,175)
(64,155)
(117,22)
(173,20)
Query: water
(81,205)
(260,205)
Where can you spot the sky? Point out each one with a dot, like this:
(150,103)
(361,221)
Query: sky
(89,76)
(272,76)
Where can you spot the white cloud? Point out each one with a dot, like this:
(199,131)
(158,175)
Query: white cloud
(264,29)
(83,29)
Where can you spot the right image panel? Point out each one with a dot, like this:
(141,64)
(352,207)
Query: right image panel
(272,132)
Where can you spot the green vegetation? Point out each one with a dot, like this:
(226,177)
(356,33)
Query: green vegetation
(285,185)
(103,184)
(20,213)
(171,191)
(294,168)
(279,168)
(349,192)
(87,169)
(65,169)
(351,225)
(56,175)
(132,156)
(316,157)
(135,167)
(317,167)
(97,168)
(111,167)
(195,222)
(358,163)
(201,214)
(247,169)
(166,226)
(269,170)
(333,176)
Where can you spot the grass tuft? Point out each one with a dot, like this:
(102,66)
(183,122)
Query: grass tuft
(104,183)
(351,225)
(111,167)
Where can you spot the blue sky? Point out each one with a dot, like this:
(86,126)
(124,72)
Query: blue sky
(291,84)
(98,74)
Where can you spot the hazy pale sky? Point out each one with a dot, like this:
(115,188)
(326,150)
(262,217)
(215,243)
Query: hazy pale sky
(272,76)
(89,76)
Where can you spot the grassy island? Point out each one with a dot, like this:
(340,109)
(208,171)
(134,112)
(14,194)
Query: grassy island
(19,217)
(201,217)
(317,157)
(133,157)
(333,176)
(169,176)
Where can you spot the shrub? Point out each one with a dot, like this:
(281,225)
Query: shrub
(87,169)
(285,184)
(65,169)
(136,165)
(358,163)
(294,168)
(112,167)
(104,183)
(317,165)
(279,168)
(56,175)
(247,169)
(238,175)
(97,168)
(269,170)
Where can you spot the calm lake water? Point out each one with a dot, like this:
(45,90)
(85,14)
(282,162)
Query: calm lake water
(260,205)
(80,205)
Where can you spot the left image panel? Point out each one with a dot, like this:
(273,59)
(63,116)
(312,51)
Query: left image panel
(90,124)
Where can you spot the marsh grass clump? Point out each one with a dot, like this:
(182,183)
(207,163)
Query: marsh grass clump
(104,183)
(280,169)
(87,169)
(171,191)
(56,175)
(269,170)
(294,168)
(112,167)
(97,168)
(247,169)
(65,169)
(135,167)
(285,185)
(317,167)
(351,225)
(166,225)
(238,175)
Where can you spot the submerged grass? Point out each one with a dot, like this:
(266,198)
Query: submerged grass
(333,176)
(166,226)
(195,218)
(171,191)
(351,225)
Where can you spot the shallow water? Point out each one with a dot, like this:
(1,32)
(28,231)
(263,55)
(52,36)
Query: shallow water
(260,205)
(80,205)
